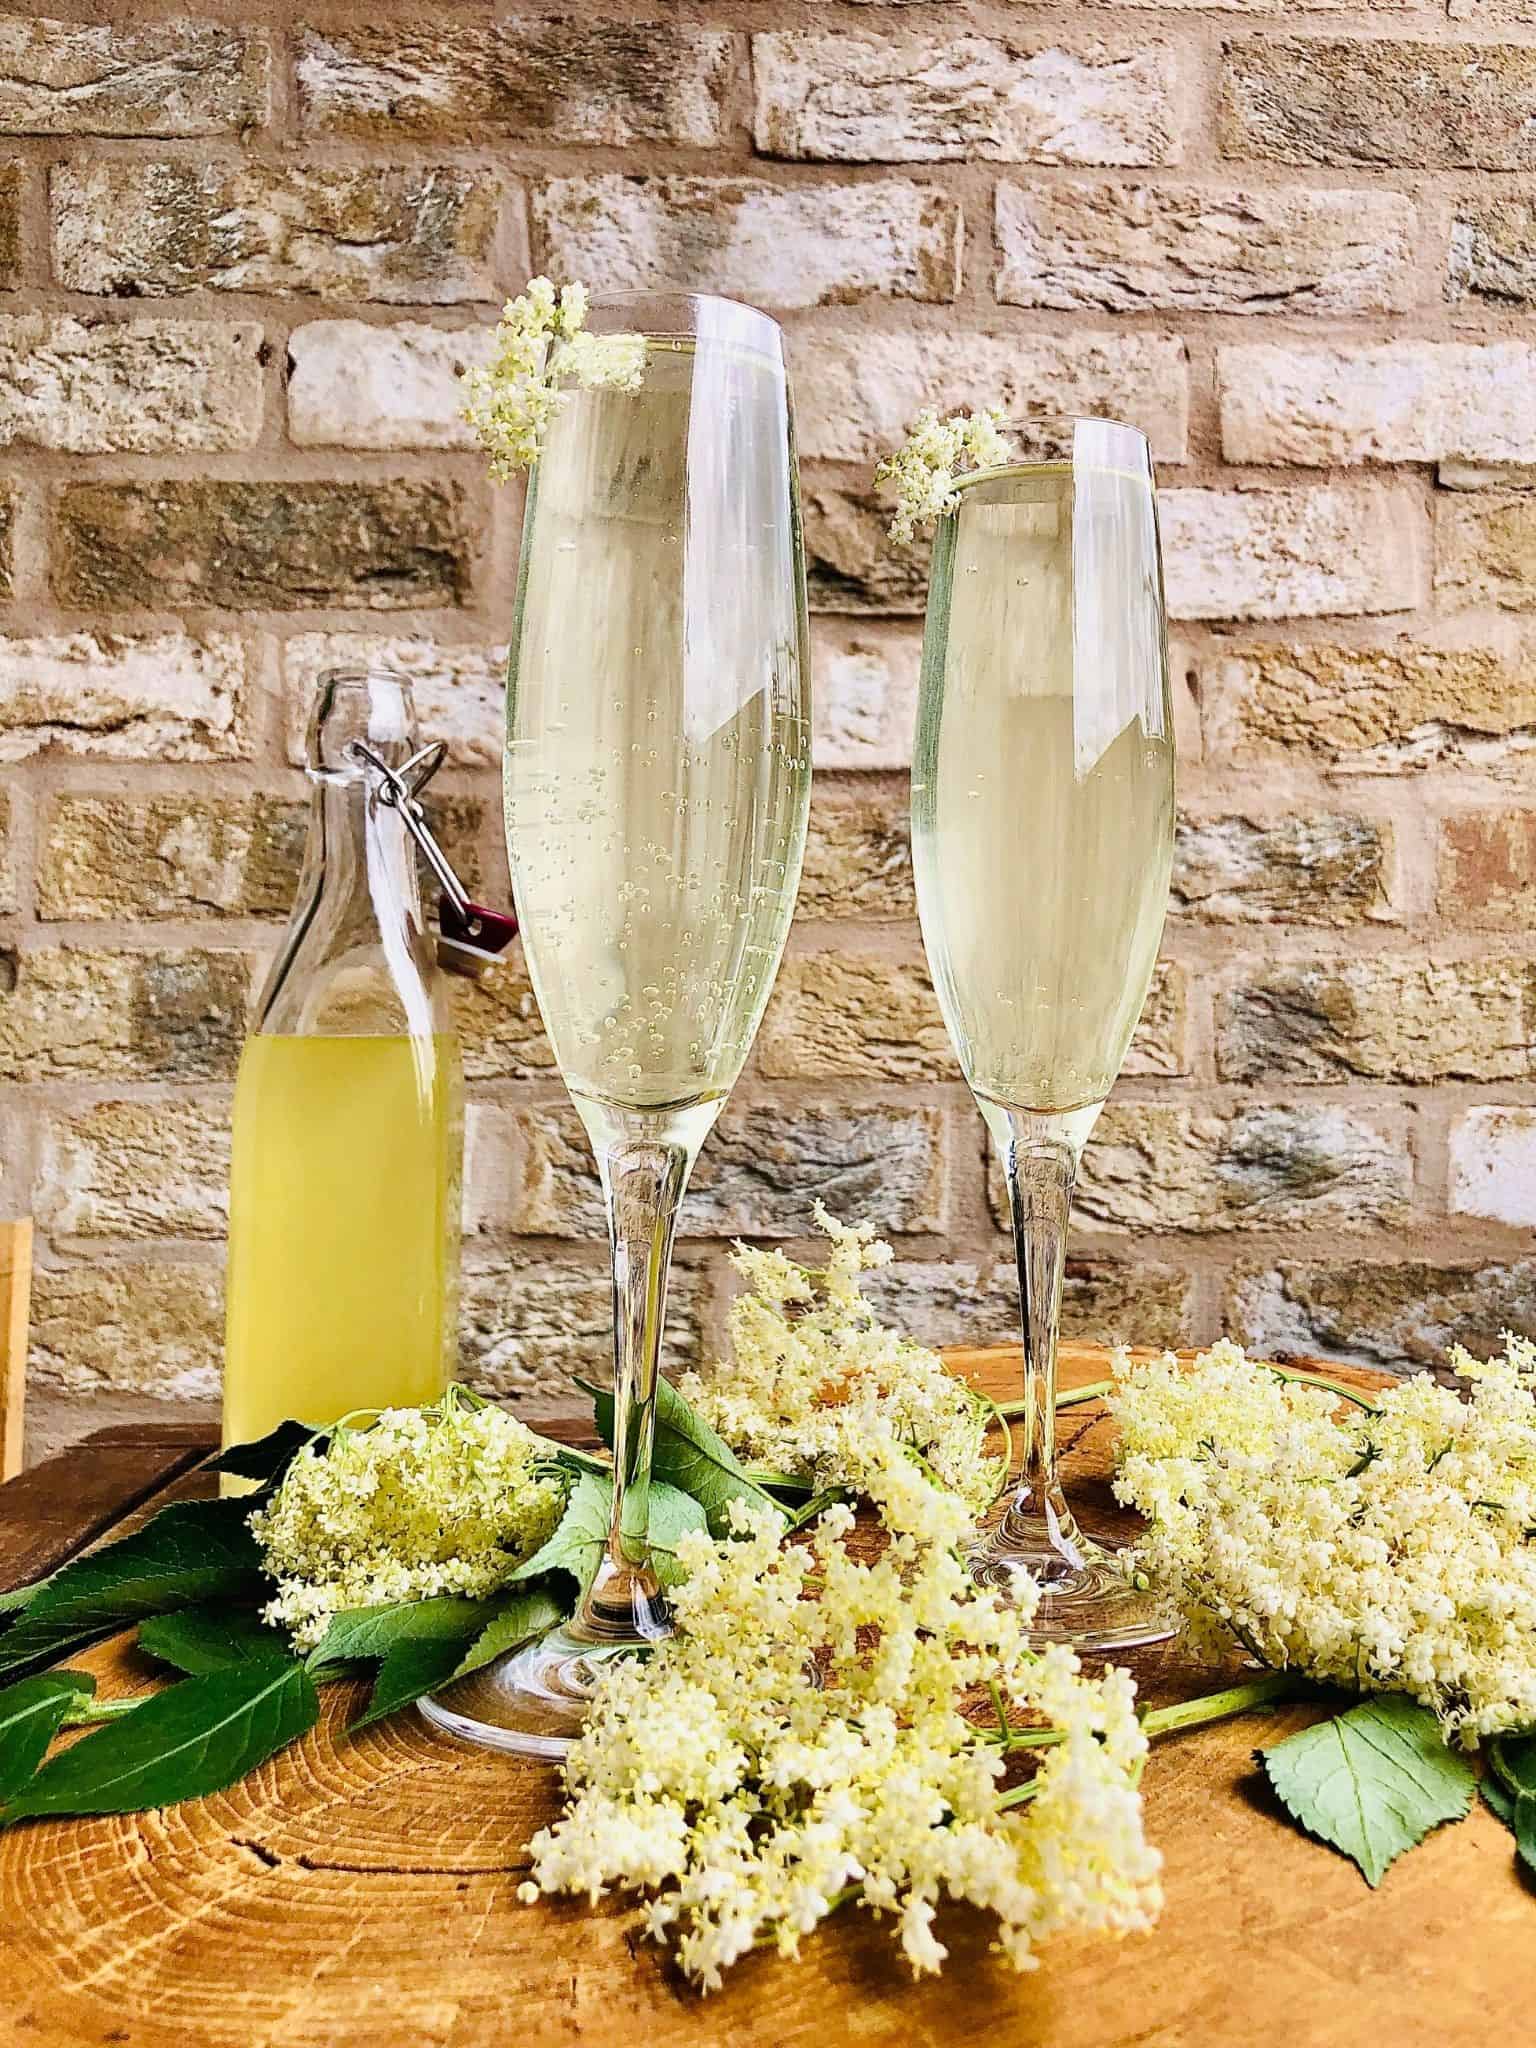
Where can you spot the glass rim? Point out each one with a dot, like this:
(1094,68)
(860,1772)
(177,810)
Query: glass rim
(1039,426)
(669,315)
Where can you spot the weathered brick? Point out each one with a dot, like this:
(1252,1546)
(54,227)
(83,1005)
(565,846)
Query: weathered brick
(1493,248)
(128,1328)
(353,385)
(1397,1316)
(965,1301)
(1485,549)
(529,1324)
(10,897)
(760,1174)
(1317,868)
(178,77)
(292,546)
(868,386)
(1382,1018)
(858,859)
(909,97)
(170,856)
(1376,710)
(499,1025)
(459,691)
(867,1017)
(1158,1166)
(852,564)
(555,80)
(865,697)
(1284,554)
(810,245)
(7,542)
(10,226)
(417,235)
(135,1170)
(128,386)
(1426,106)
(1228,249)
(75,1011)
(1488,869)
(1493,1164)
(156,696)
(1391,401)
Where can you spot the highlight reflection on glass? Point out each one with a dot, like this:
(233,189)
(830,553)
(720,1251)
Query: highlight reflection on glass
(1042,817)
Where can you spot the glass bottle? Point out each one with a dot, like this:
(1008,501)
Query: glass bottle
(348,1124)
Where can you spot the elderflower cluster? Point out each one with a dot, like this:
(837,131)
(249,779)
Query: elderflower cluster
(924,468)
(1386,1550)
(540,343)
(748,1800)
(818,1389)
(428,1500)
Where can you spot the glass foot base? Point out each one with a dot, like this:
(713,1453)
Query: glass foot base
(531,1703)
(1086,1601)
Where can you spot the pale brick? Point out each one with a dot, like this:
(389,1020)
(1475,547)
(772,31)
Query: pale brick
(353,385)
(1314,868)
(852,564)
(865,698)
(1485,550)
(858,859)
(7,542)
(177,77)
(1376,710)
(529,1324)
(1284,554)
(1493,248)
(1392,401)
(1487,872)
(1425,106)
(760,1174)
(1493,1164)
(74,1012)
(129,1328)
(810,245)
(169,856)
(418,235)
(1382,1018)
(135,1170)
(965,1301)
(499,1025)
(292,546)
(10,225)
(1159,1167)
(868,386)
(157,696)
(128,387)
(1227,249)
(9,891)
(459,691)
(557,81)
(909,97)
(1396,1316)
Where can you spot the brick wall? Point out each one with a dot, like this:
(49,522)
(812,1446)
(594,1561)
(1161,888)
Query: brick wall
(242,256)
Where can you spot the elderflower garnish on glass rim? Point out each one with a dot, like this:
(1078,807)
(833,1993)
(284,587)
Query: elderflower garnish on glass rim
(540,344)
(924,467)
(421,1501)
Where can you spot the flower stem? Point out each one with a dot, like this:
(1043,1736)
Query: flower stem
(1069,1397)
(1257,1694)
(101,1710)
(1317,1379)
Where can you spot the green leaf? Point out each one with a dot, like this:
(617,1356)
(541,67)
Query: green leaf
(199,1639)
(1514,1760)
(420,1663)
(1525,1829)
(194,1738)
(519,1619)
(690,1456)
(1371,1782)
(1500,1801)
(30,1714)
(270,1456)
(579,1539)
(372,1632)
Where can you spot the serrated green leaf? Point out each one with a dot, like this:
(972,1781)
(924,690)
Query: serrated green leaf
(690,1455)
(30,1714)
(199,1639)
(1500,1801)
(195,1551)
(1514,1760)
(269,1457)
(1524,1824)
(532,1612)
(1371,1782)
(420,1663)
(370,1633)
(194,1738)
(578,1541)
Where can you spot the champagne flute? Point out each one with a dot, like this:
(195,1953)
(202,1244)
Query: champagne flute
(657,777)
(1042,826)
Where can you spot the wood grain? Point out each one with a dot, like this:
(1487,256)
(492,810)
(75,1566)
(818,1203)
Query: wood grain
(359,1893)
(15,1323)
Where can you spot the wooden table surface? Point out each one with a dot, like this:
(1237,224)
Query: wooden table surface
(358,1892)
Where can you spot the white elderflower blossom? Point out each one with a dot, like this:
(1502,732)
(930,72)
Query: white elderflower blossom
(427,1500)
(924,468)
(749,1800)
(820,1390)
(1385,1551)
(540,343)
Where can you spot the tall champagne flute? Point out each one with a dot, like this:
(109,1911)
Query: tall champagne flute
(1042,824)
(657,776)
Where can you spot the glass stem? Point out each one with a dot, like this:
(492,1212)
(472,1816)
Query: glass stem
(644,1158)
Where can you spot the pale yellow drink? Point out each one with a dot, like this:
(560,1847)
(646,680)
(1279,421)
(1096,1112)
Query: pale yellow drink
(344,1218)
